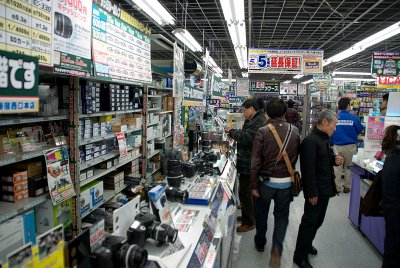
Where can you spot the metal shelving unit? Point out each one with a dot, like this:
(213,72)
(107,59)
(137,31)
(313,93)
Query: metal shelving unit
(9,210)
(7,159)
(106,137)
(153,154)
(4,121)
(153,124)
(154,171)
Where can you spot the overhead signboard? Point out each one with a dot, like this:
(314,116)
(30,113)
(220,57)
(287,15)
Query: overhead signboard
(322,81)
(301,89)
(242,87)
(18,83)
(216,87)
(285,61)
(179,72)
(385,63)
(193,96)
(121,45)
(389,82)
(25,28)
(264,86)
(71,37)
(288,89)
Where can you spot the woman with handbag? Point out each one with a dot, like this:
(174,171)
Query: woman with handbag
(391,196)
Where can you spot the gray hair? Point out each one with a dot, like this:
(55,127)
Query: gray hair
(329,115)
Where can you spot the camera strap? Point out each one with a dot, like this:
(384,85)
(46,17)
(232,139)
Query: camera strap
(282,147)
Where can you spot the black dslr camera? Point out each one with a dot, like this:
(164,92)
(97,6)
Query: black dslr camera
(265,175)
(115,252)
(145,226)
(176,195)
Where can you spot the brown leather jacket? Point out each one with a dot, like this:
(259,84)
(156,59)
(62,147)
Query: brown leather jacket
(266,149)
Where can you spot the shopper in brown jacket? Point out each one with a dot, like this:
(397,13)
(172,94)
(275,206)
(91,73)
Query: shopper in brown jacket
(276,184)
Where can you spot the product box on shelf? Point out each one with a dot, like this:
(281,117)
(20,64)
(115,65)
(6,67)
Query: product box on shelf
(37,186)
(15,197)
(170,103)
(119,128)
(15,177)
(97,193)
(114,177)
(33,168)
(85,201)
(89,173)
(49,216)
(14,187)
(11,236)
(106,165)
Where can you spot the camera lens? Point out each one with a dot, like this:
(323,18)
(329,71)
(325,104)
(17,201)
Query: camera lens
(162,232)
(132,256)
(63,25)
(176,195)
(174,168)
(206,146)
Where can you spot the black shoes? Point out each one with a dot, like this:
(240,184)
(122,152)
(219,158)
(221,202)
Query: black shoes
(313,251)
(259,249)
(302,263)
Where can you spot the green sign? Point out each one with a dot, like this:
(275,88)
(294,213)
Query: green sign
(264,86)
(385,63)
(193,94)
(18,83)
(216,87)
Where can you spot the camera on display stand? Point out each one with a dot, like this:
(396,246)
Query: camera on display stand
(145,226)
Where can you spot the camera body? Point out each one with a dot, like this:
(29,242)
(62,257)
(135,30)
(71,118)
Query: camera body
(176,195)
(265,175)
(115,252)
(145,226)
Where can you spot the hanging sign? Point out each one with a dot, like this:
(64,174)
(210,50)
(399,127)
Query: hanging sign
(264,86)
(323,81)
(216,87)
(389,82)
(385,63)
(121,51)
(288,89)
(285,61)
(121,144)
(58,176)
(71,37)
(25,28)
(18,83)
(213,101)
(242,87)
(179,72)
(193,96)
(301,89)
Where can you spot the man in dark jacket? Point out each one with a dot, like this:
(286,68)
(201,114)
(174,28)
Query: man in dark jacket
(316,162)
(244,138)
(277,185)
(292,116)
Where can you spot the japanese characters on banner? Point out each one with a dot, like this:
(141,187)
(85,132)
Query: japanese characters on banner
(375,127)
(72,37)
(389,82)
(264,86)
(288,89)
(193,96)
(18,83)
(323,81)
(385,63)
(26,28)
(242,87)
(301,89)
(121,144)
(285,61)
(58,176)
(178,84)
(121,51)
(216,86)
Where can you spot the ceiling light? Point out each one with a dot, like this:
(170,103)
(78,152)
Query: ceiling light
(287,81)
(237,31)
(298,76)
(350,73)
(218,70)
(218,75)
(367,42)
(155,10)
(307,82)
(233,10)
(186,38)
(353,79)
(241,55)
(245,74)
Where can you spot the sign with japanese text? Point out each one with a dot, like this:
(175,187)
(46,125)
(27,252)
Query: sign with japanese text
(242,87)
(71,37)
(213,101)
(193,96)
(322,81)
(216,86)
(179,72)
(58,175)
(288,89)
(385,63)
(121,144)
(388,82)
(26,28)
(285,61)
(18,83)
(264,86)
(121,52)
(301,89)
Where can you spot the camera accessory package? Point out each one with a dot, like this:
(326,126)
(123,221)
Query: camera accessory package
(159,205)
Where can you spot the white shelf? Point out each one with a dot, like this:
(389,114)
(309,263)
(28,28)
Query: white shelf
(106,137)
(149,139)
(9,210)
(160,87)
(6,159)
(154,171)
(7,120)
(153,109)
(154,96)
(153,154)
(153,124)
(166,112)
(100,159)
(109,113)
(98,173)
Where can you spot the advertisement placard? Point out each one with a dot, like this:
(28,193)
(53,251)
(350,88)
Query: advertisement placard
(121,144)
(121,52)
(285,61)
(193,96)
(58,175)
(288,89)
(18,83)
(71,37)
(385,63)
(390,82)
(179,72)
(242,87)
(26,28)
(264,86)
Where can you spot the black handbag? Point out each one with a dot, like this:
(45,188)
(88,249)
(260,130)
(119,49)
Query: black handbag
(370,204)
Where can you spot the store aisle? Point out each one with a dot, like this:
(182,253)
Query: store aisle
(339,244)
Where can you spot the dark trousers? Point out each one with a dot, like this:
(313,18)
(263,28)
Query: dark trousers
(312,219)
(282,199)
(246,199)
(391,255)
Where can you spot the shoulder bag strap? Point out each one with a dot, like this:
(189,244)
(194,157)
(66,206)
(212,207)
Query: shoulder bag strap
(283,148)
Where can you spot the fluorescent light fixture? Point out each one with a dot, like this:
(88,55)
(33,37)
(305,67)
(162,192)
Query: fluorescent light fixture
(245,74)
(380,36)
(218,75)
(298,76)
(287,81)
(241,55)
(237,31)
(155,10)
(227,80)
(307,82)
(186,38)
(353,79)
(218,70)
(233,10)
(212,64)
(350,73)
